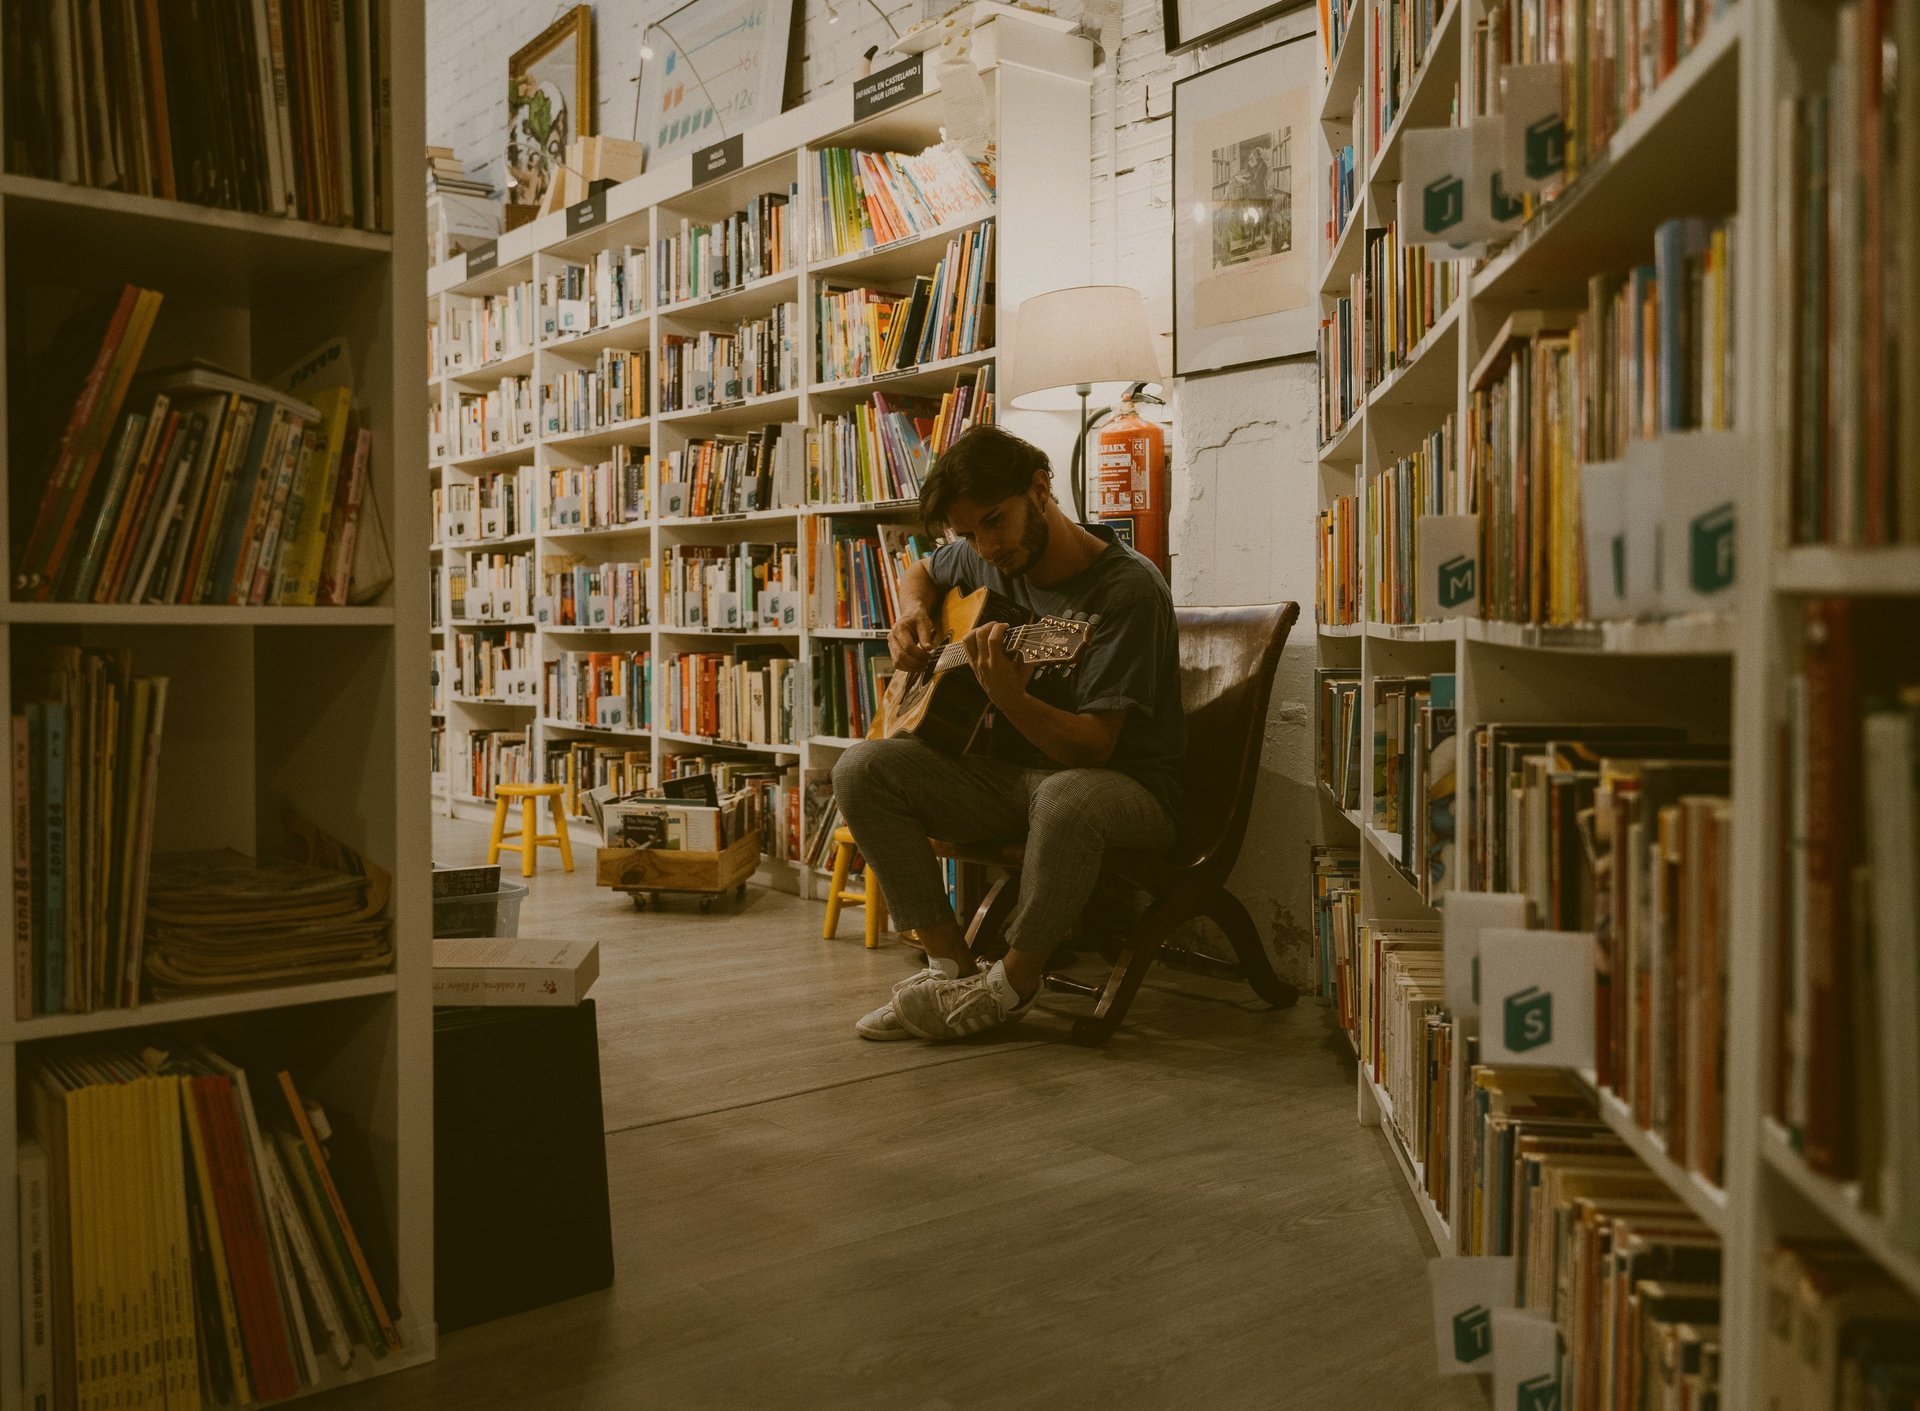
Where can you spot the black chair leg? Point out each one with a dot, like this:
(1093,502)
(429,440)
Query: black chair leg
(1226,912)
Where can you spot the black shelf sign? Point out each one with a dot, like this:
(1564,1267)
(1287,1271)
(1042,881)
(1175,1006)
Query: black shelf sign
(482,259)
(889,88)
(712,163)
(585,215)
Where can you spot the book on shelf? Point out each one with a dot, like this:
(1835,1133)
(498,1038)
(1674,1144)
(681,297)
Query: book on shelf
(615,493)
(1337,690)
(866,332)
(257,1266)
(575,592)
(1841,1332)
(1425,482)
(744,696)
(1335,874)
(85,768)
(718,475)
(1337,587)
(487,423)
(485,757)
(1407,291)
(729,586)
(882,448)
(513,971)
(494,664)
(583,297)
(1402,34)
(489,585)
(874,198)
(613,392)
(849,682)
(699,260)
(859,569)
(599,690)
(120,100)
(1339,357)
(758,357)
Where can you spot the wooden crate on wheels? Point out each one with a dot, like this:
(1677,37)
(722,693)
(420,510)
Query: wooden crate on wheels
(644,873)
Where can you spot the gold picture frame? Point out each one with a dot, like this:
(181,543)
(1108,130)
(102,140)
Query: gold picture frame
(549,103)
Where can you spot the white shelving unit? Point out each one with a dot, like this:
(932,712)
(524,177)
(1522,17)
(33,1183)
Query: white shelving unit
(1705,142)
(1037,82)
(318,708)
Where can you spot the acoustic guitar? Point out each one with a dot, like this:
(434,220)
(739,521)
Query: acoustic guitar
(944,703)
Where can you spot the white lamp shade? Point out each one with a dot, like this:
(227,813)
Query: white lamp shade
(1093,335)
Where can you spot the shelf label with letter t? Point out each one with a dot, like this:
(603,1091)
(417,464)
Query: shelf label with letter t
(482,259)
(712,163)
(587,214)
(1536,998)
(889,88)
(1466,1291)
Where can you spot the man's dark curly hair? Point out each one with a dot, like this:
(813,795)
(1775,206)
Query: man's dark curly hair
(984,464)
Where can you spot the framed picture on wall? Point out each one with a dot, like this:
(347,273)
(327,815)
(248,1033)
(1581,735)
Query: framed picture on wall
(1243,201)
(1193,22)
(711,70)
(549,103)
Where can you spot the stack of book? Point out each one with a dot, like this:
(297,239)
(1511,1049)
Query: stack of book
(584,297)
(1336,902)
(882,448)
(491,422)
(612,494)
(759,357)
(302,128)
(744,696)
(1336,588)
(1402,33)
(1408,291)
(578,593)
(462,212)
(1425,483)
(720,475)
(1848,286)
(1336,20)
(1847,952)
(186,485)
(251,1272)
(1343,191)
(500,326)
(610,393)
(493,586)
(85,768)
(486,665)
(493,506)
(1837,1323)
(701,260)
(729,587)
(1337,689)
(599,690)
(1630,1275)
(864,332)
(873,198)
(849,682)
(489,758)
(223,921)
(1404,1035)
(447,175)
(1339,357)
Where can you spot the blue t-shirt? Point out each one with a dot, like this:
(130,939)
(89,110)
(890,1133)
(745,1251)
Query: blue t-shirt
(1132,662)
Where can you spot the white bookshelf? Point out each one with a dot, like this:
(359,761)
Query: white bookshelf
(1705,142)
(1037,83)
(317,707)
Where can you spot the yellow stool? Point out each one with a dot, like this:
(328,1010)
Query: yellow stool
(871,898)
(530,835)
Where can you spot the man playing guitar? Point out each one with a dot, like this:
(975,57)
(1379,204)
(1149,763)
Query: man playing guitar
(1086,760)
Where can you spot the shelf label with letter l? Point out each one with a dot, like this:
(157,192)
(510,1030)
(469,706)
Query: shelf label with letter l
(1449,566)
(1536,998)
(1466,1292)
(483,259)
(587,214)
(712,163)
(1526,1361)
(889,88)
(1533,127)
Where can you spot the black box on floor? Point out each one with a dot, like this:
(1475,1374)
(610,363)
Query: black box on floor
(520,1216)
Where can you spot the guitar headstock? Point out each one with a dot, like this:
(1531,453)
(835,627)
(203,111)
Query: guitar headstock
(1052,641)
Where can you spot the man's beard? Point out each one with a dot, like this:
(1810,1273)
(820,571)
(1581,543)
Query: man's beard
(1033,541)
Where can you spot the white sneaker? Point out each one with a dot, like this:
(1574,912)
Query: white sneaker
(882,1025)
(951,1009)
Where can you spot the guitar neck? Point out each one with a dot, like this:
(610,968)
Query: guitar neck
(954,654)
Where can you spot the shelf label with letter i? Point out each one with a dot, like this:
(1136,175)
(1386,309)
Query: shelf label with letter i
(1536,995)
(1466,1291)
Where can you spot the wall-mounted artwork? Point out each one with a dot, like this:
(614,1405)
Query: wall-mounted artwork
(549,103)
(711,69)
(1243,210)
(1189,23)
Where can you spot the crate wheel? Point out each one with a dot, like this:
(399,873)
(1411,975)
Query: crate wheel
(740,892)
(706,905)
(639,901)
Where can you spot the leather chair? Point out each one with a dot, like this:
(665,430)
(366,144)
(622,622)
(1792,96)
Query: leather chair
(1227,660)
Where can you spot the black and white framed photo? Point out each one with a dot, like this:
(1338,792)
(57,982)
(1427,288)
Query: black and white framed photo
(1243,210)
(1189,23)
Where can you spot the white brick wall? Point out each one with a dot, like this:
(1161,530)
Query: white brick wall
(1244,479)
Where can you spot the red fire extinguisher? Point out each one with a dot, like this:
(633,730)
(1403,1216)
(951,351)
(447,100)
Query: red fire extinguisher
(1133,487)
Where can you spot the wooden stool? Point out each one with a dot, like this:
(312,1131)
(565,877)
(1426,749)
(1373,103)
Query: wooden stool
(530,835)
(871,898)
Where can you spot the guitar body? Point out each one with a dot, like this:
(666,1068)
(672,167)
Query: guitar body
(945,707)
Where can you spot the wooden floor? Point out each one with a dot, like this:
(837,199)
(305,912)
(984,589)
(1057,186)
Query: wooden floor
(1189,1218)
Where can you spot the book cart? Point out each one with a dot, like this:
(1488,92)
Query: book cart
(1036,78)
(1713,138)
(316,708)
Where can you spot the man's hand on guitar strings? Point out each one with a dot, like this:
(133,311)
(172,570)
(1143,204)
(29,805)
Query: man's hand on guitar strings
(1004,678)
(911,642)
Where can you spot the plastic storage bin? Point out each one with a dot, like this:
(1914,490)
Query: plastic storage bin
(482,914)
